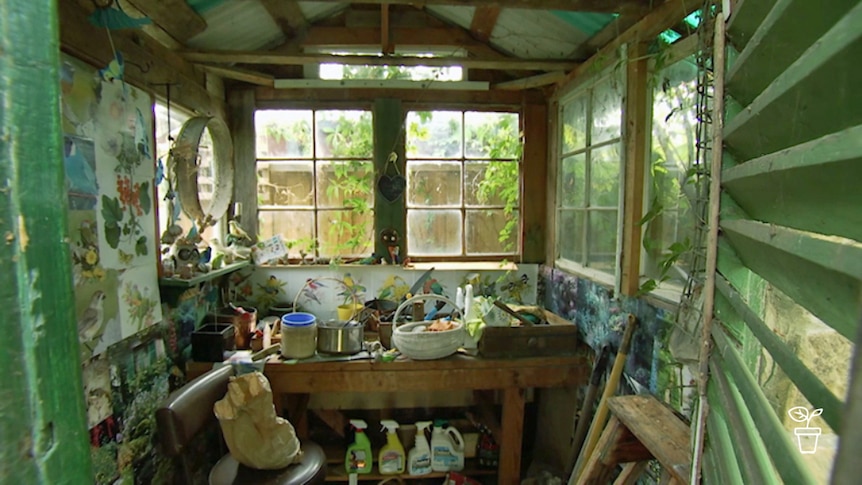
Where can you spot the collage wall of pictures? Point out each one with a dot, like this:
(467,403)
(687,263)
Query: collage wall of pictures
(126,350)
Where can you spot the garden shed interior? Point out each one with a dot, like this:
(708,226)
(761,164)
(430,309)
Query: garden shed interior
(685,170)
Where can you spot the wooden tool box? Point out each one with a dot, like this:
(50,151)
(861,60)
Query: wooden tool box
(556,337)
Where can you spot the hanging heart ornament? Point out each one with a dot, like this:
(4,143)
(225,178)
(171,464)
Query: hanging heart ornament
(391,187)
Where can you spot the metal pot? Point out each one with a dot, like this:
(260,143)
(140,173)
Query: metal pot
(340,337)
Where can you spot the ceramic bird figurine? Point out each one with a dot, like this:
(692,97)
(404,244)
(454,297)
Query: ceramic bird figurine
(90,323)
(237,235)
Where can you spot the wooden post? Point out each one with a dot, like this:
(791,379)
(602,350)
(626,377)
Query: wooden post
(389,138)
(44,435)
(513,428)
(635,144)
(245,174)
(534,172)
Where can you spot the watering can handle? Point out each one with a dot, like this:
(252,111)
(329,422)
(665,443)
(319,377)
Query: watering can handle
(410,301)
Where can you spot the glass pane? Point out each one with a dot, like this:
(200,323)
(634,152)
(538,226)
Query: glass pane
(345,184)
(491,135)
(285,183)
(491,232)
(573,114)
(296,227)
(607,110)
(282,133)
(494,183)
(605,176)
(433,183)
(433,232)
(602,233)
(571,235)
(345,233)
(344,134)
(573,188)
(434,134)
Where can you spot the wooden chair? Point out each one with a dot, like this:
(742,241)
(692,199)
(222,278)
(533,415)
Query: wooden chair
(188,409)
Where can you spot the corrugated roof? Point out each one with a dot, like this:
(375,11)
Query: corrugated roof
(238,26)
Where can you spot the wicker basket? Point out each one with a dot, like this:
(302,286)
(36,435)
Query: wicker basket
(426,345)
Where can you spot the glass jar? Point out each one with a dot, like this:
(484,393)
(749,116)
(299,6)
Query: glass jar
(298,335)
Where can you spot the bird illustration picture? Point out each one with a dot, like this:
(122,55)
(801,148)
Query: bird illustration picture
(432,286)
(314,284)
(90,325)
(272,286)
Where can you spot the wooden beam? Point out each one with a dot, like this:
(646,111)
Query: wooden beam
(176,17)
(272,98)
(600,6)
(141,53)
(288,16)
(667,14)
(245,57)
(531,82)
(484,20)
(244,75)
(634,144)
(386,45)
(534,171)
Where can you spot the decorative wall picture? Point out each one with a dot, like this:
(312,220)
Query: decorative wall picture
(96,310)
(79,86)
(79,158)
(140,306)
(124,157)
(86,262)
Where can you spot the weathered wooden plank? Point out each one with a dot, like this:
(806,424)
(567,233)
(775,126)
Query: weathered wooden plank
(43,426)
(784,453)
(513,431)
(595,471)
(795,261)
(287,15)
(745,19)
(661,432)
(531,82)
(245,174)
(787,31)
(635,137)
(807,382)
(629,16)
(501,99)
(603,6)
(631,472)
(817,174)
(388,119)
(534,170)
(808,100)
(266,57)
(484,20)
(245,75)
(176,17)
(750,453)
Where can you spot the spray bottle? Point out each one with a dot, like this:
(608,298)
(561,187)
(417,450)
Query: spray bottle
(419,458)
(359,458)
(391,458)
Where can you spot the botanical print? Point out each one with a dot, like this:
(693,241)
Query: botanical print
(140,306)
(86,262)
(125,171)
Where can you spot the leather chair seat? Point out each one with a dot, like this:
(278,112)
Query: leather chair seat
(312,469)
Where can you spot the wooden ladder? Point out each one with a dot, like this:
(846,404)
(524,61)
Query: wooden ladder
(640,429)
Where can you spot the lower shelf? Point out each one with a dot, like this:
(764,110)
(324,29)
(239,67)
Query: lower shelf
(335,473)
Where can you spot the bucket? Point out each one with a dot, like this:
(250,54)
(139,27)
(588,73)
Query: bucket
(349,311)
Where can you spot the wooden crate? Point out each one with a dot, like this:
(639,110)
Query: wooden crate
(557,337)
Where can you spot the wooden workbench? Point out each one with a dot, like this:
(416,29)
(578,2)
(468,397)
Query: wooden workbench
(458,372)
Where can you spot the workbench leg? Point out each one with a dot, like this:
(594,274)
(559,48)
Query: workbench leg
(295,410)
(513,431)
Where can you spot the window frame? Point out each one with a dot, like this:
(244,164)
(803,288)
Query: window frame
(608,278)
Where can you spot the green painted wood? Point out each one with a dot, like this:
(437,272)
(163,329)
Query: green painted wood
(783,452)
(821,273)
(822,173)
(744,443)
(710,473)
(721,444)
(807,382)
(744,20)
(43,429)
(787,31)
(388,137)
(846,466)
(812,98)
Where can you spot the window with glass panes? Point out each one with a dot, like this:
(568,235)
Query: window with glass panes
(463,184)
(669,221)
(589,168)
(315,180)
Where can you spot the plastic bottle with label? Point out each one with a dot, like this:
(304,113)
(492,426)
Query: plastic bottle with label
(419,458)
(358,458)
(447,448)
(391,457)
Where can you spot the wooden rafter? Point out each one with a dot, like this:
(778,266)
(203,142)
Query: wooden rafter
(255,57)
(175,17)
(245,75)
(536,81)
(602,6)
(484,20)
(386,45)
(288,16)
(627,18)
